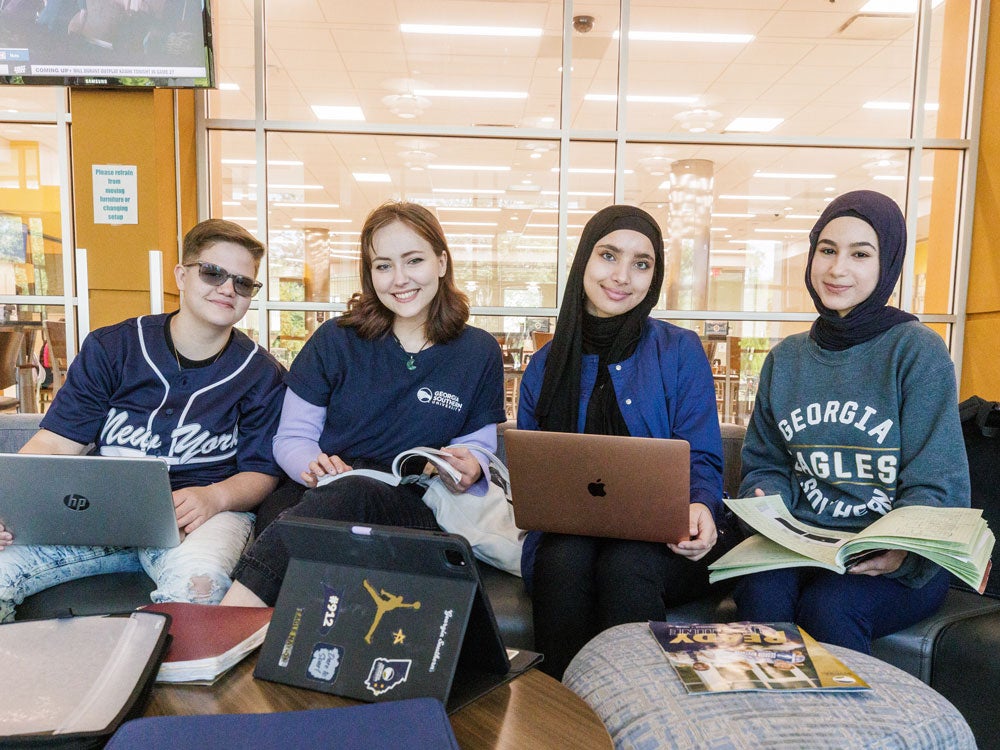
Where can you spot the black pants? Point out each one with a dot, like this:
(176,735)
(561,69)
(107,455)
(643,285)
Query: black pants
(356,499)
(583,585)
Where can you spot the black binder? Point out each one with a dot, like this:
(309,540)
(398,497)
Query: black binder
(70,682)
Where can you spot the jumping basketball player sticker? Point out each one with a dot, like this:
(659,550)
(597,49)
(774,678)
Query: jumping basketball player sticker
(384,602)
(386,674)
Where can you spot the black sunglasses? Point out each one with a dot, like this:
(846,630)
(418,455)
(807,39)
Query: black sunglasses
(214,275)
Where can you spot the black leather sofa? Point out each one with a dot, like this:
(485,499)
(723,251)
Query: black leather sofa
(957,651)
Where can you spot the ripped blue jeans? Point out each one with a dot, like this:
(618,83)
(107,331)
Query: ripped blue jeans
(197,570)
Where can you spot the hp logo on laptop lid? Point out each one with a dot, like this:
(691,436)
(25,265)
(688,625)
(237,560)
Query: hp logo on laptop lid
(76,502)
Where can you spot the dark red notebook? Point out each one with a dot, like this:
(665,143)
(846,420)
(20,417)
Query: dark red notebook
(207,640)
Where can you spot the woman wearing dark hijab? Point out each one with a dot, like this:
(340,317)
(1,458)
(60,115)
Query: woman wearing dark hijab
(855,418)
(611,369)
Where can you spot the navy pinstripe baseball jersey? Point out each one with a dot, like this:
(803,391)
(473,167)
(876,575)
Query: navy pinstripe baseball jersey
(127,393)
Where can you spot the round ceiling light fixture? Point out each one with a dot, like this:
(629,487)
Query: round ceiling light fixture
(406,106)
(698,120)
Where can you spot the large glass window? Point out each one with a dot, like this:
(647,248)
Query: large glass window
(733,126)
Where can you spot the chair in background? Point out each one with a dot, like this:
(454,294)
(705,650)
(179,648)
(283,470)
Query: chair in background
(54,336)
(540,339)
(10,350)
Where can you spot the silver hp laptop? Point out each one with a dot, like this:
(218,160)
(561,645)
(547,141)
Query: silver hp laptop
(104,500)
(600,485)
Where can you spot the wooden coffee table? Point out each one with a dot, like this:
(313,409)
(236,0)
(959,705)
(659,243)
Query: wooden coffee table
(533,710)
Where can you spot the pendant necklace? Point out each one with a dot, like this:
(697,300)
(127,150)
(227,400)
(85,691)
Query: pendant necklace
(211,361)
(411,363)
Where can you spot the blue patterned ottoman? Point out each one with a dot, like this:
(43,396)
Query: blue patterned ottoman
(623,675)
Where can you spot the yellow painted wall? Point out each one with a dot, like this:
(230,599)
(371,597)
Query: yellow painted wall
(132,128)
(980,363)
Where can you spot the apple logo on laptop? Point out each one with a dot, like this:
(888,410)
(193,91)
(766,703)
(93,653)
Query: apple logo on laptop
(76,502)
(596,489)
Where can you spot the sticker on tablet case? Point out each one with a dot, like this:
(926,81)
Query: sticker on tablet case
(386,674)
(325,662)
(384,602)
(332,598)
(286,651)
(442,632)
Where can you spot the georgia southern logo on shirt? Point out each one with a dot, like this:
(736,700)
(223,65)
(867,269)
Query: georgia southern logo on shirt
(439,398)
(855,459)
(187,442)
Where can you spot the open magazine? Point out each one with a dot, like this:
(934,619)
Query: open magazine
(747,656)
(957,539)
(431,455)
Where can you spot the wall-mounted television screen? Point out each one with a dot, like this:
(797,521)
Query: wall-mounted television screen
(111,43)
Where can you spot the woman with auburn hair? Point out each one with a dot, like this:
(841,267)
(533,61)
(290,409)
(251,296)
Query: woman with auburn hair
(399,369)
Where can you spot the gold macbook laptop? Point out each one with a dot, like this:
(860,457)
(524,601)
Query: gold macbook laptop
(600,485)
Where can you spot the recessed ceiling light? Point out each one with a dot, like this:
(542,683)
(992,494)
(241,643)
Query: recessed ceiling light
(472,94)
(469,191)
(490,209)
(783,231)
(322,221)
(899,178)
(324,112)
(371,177)
(436,28)
(642,98)
(284,186)
(468,223)
(229,87)
(287,204)
(754,124)
(270,162)
(755,197)
(794,175)
(584,193)
(687,36)
(470,167)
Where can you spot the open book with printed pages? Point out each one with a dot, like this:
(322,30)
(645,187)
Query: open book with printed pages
(957,539)
(207,640)
(747,656)
(430,455)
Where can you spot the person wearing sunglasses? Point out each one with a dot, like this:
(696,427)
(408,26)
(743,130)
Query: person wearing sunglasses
(184,386)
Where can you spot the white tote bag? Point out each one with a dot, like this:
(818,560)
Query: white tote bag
(487,521)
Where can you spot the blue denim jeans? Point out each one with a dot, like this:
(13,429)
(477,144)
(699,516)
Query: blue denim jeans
(195,571)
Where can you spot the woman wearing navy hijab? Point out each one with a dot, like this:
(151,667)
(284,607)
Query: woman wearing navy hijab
(610,369)
(855,418)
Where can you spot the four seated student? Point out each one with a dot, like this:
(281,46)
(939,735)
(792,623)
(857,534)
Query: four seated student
(855,418)
(399,369)
(176,379)
(611,369)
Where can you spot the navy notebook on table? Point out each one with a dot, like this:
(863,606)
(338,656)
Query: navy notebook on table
(419,724)
(381,613)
